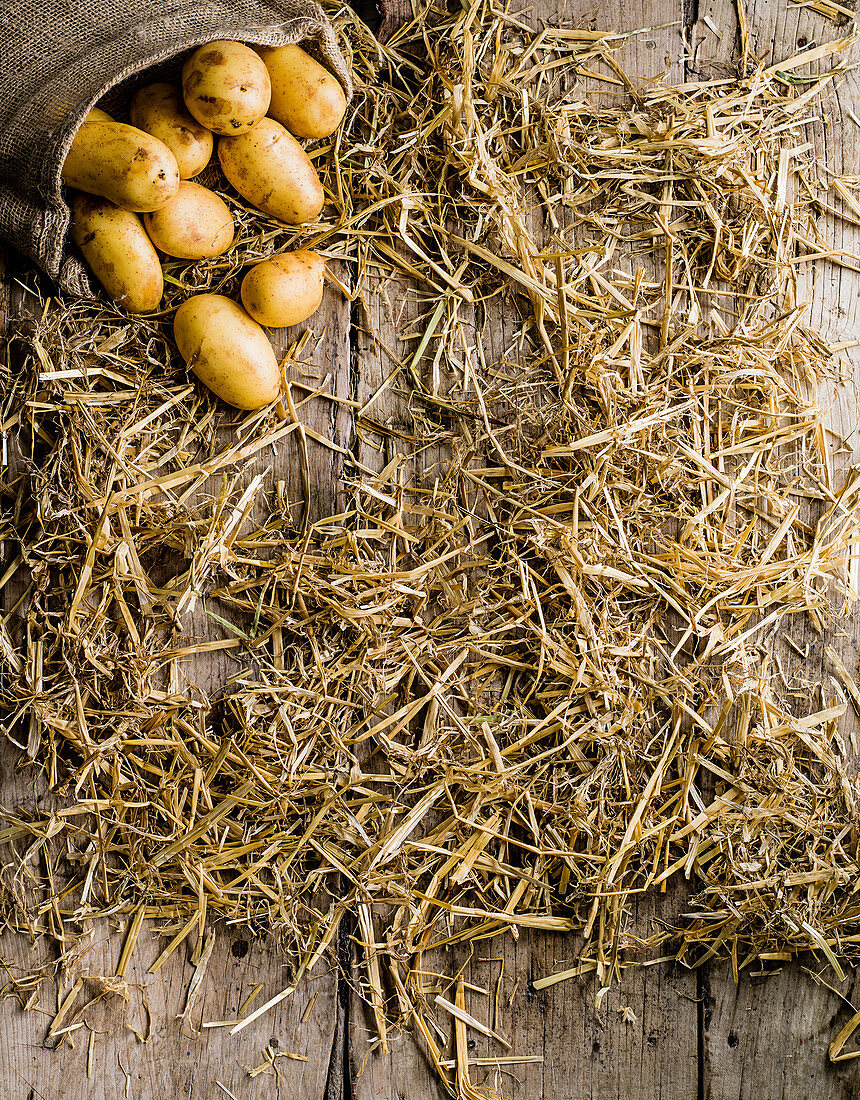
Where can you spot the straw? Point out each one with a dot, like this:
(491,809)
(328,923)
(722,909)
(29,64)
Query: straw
(537,664)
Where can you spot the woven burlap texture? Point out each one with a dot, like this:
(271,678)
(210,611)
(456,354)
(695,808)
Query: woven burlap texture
(59,57)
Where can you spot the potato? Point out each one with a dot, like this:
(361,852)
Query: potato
(195,224)
(118,252)
(226,87)
(227,351)
(269,168)
(306,98)
(98,115)
(285,289)
(121,163)
(160,110)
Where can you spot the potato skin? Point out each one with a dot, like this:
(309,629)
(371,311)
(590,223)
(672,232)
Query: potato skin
(306,98)
(118,251)
(121,163)
(269,168)
(195,224)
(160,110)
(227,350)
(226,87)
(284,290)
(98,115)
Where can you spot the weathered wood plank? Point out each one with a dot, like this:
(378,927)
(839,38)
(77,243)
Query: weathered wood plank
(650,1050)
(178,1057)
(767,1037)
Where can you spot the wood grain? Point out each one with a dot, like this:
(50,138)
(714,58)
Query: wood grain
(767,1037)
(685,1034)
(178,1057)
(585,1052)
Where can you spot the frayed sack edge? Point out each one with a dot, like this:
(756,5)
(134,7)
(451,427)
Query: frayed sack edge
(50,243)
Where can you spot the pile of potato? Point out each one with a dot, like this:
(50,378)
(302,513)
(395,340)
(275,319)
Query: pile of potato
(133,193)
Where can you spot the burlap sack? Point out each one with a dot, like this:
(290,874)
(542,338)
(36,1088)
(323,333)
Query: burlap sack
(58,57)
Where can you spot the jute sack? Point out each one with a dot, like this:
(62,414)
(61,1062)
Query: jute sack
(58,57)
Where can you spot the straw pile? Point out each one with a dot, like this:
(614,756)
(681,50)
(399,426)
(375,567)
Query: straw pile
(514,688)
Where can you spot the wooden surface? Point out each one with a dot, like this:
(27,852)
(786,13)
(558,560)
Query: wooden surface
(665,1033)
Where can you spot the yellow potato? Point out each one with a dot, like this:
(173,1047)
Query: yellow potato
(269,168)
(195,224)
(123,164)
(118,252)
(98,115)
(306,98)
(284,290)
(227,351)
(226,87)
(160,110)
